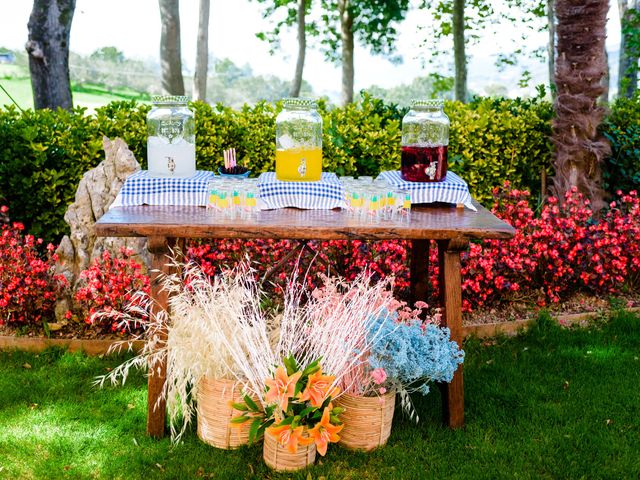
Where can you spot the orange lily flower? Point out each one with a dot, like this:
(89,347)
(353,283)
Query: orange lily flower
(324,432)
(318,388)
(289,437)
(281,388)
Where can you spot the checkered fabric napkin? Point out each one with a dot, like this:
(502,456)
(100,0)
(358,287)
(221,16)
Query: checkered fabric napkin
(451,190)
(326,193)
(142,189)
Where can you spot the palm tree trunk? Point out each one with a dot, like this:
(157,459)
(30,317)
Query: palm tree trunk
(170,59)
(48,49)
(202,52)
(302,48)
(459,50)
(580,67)
(346,29)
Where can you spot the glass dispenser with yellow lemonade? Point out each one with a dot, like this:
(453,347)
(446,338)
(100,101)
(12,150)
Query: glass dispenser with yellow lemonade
(298,141)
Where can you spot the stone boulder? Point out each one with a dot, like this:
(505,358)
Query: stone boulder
(96,192)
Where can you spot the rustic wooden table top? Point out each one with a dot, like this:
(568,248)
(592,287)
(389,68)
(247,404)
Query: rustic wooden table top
(428,222)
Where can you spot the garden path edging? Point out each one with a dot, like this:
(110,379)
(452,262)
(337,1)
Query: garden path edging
(488,330)
(39,344)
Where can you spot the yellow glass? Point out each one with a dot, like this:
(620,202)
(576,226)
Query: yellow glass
(299,164)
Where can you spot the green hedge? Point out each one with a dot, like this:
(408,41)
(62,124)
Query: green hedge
(622,128)
(43,154)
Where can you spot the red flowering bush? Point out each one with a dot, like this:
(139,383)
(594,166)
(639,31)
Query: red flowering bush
(346,258)
(623,224)
(28,286)
(563,250)
(566,249)
(108,286)
(383,258)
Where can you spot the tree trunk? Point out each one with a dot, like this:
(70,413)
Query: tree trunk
(202,53)
(606,79)
(346,29)
(580,66)
(302,48)
(48,49)
(551,46)
(458,50)
(170,59)
(628,65)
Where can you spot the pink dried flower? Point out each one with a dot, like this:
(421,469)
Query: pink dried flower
(379,375)
(382,390)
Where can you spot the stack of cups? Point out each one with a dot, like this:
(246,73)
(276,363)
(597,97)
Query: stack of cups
(375,200)
(233,198)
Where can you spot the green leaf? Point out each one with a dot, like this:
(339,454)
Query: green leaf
(325,404)
(290,364)
(263,427)
(251,404)
(268,412)
(286,421)
(239,406)
(307,411)
(240,419)
(313,367)
(253,430)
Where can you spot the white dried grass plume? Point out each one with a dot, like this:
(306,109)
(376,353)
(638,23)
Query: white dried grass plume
(205,313)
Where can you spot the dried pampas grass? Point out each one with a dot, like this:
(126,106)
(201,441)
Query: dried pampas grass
(205,314)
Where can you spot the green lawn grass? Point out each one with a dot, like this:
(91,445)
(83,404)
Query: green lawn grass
(553,403)
(15,80)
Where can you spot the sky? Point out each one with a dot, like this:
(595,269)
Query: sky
(133,26)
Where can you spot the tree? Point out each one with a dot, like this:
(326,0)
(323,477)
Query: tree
(431,86)
(108,54)
(464,20)
(170,59)
(629,47)
(296,12)
(371,22)
(580,66)
(460,58)
(202,52)
(606,79)
(302,47)
(48,49)
(346,42)
(551,45)
(453,18)
(236,86)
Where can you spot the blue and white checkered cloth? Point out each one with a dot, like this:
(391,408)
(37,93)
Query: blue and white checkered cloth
(142,189)
(326,193)
(451,190)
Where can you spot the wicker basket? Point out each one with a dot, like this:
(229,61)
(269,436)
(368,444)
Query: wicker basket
(280,459)
(214,414)
(367,420)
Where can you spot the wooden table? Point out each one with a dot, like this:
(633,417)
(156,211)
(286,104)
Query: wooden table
(451,227)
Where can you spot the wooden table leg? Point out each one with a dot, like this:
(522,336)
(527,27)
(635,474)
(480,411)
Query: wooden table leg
(156,404)
(419,275)
(451,303)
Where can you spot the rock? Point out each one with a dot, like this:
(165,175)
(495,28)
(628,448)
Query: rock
(62,306)
(97,190)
